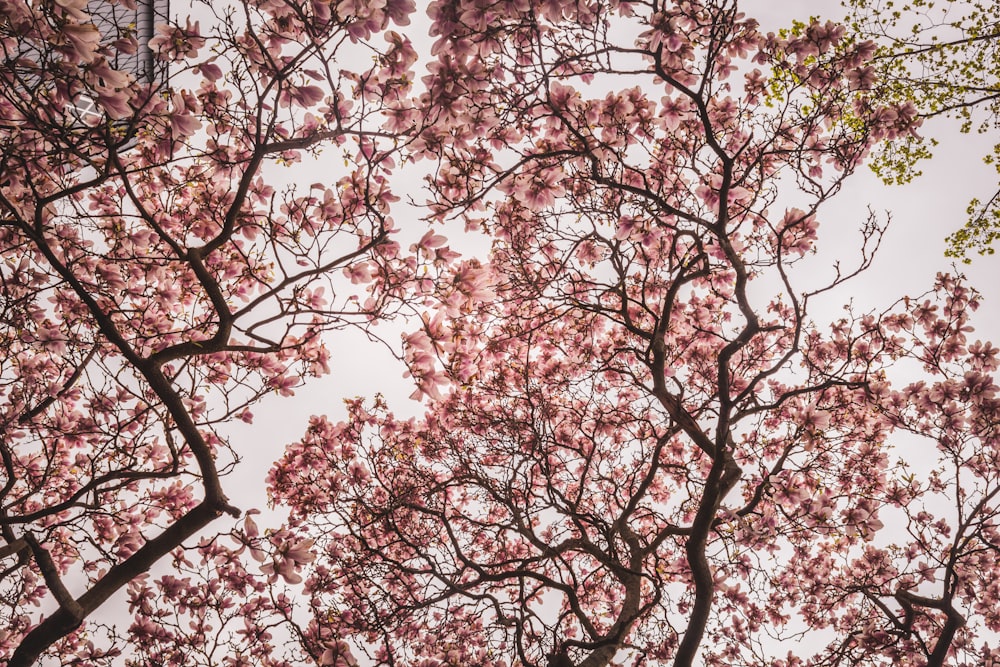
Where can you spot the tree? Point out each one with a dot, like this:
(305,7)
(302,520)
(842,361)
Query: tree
(642,444)
(643,449)
(158,280)
(944,57)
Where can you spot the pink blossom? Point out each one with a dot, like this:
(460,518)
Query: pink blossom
(84,39)
(288,559)
(175,43)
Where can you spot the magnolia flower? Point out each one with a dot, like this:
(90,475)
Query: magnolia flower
(338,654)
(288,559)
(74,9)
(862,78)
(51,338)
(176,43)
(84,39)
(303,96)
(115,104)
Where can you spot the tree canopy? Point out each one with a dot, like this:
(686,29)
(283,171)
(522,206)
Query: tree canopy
(642,441)
(945,58)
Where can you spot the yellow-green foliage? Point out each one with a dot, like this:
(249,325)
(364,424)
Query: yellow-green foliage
(944,56)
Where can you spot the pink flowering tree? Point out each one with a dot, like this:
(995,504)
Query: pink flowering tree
(160,275)
(920,588)
(642,444)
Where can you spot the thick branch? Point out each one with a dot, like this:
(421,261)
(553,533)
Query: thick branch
(69,616)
